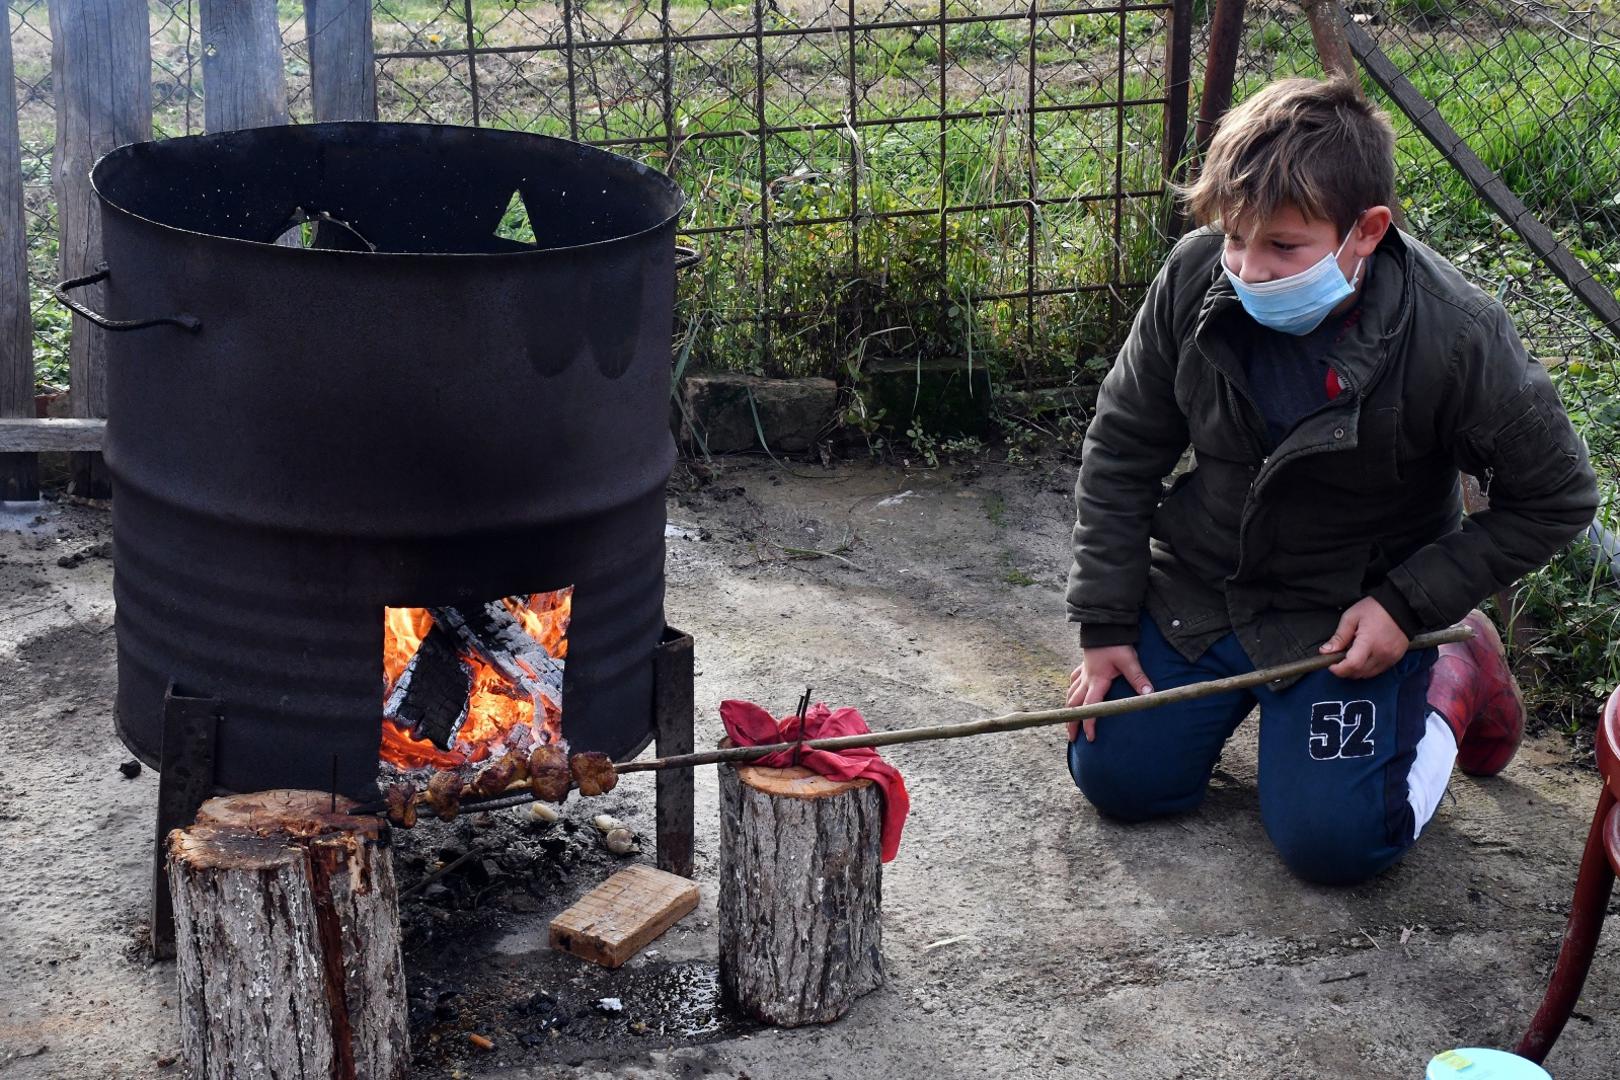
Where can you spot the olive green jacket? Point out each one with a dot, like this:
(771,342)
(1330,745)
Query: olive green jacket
(1361,499)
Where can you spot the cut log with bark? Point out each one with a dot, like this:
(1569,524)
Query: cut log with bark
(800,893)
(494,634)
(430,698)
(288,944)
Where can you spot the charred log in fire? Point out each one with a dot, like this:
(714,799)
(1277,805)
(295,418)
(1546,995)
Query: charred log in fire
(468,684)
(495,633)
(547,775)
(430,698)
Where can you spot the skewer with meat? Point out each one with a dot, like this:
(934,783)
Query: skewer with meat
(549,772)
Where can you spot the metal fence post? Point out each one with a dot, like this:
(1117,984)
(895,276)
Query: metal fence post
(1327,31)
(1220,70)
(1177,86)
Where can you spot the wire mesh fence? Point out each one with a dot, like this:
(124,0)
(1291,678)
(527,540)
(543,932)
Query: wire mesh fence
(1534,89)
(36,130)
(965,178)
(917,177)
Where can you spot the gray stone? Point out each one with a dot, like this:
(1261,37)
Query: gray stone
(721,408)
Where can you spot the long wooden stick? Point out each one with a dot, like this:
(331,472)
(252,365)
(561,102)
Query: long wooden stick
(1018,721)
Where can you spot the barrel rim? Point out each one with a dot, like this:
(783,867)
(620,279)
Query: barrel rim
(128,149)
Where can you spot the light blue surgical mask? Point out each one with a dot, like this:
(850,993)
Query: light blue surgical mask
(1298,303)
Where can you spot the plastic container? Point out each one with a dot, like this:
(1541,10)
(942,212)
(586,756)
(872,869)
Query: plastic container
(1477,1063)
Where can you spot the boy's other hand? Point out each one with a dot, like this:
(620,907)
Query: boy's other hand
(1098,669)
(1374,640)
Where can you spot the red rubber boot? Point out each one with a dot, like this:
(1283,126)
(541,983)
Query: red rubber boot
(1472,686)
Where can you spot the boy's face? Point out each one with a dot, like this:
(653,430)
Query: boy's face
(1289,242)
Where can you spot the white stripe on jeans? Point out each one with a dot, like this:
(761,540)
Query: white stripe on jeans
(1431,769)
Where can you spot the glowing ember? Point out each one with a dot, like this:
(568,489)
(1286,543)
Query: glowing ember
(514,700)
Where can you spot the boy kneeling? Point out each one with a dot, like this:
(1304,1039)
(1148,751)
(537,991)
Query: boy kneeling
(1331,376)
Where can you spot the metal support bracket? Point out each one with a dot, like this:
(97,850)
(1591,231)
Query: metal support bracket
(185,781)
(674,718)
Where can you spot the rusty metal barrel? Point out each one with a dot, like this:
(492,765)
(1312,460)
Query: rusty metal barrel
(447,383)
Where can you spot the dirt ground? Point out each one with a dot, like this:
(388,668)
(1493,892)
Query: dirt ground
(1023,936)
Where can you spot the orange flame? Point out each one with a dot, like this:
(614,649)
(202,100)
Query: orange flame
(499,714)
(403,631)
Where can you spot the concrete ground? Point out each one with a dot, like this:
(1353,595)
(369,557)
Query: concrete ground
(1023,936)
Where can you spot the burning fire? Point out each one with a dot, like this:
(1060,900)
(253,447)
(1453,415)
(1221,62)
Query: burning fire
(511,704)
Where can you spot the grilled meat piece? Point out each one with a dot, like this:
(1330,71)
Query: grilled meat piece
(548,773)
(499,775)
(401,799)
(444,795)
(593,772)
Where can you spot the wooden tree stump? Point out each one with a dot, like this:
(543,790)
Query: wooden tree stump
(287,934)
(801,886)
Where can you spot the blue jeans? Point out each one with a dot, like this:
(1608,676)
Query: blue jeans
(1334,755)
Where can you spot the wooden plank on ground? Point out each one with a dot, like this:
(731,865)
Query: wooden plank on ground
(101,70)
(621,916)
(32,436)
(19,473)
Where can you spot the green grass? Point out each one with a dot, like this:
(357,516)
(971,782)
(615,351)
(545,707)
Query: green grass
(995,510)
(1575,602)
(1012,575)
(830,296)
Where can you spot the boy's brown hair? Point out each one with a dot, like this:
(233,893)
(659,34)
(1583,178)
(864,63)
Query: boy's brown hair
(1314,144)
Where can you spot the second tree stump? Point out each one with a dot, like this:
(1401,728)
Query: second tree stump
(801,885)
(287,935)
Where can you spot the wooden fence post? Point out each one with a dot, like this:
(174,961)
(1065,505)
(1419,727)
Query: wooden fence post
(244,80)
(342,63)
(101,64)
(19,473)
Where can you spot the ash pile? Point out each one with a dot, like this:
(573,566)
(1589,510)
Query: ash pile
(476,895)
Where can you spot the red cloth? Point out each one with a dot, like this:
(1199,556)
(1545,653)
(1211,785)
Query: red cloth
(749,725)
